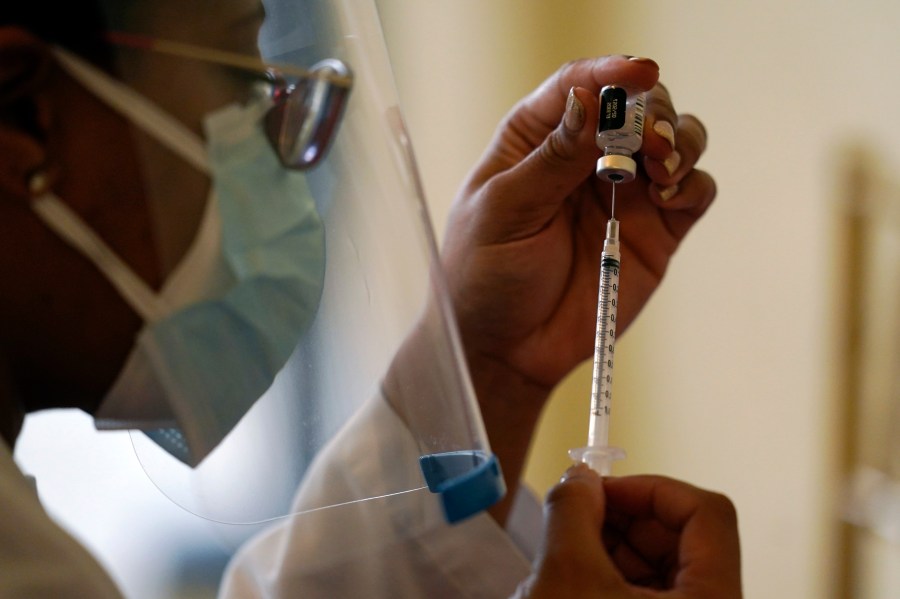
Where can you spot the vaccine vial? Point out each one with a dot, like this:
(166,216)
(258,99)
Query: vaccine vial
(620,131)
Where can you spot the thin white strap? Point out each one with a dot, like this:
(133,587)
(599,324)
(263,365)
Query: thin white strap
(156,122)
(74,231)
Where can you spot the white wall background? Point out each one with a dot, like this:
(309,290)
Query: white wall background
(728,378)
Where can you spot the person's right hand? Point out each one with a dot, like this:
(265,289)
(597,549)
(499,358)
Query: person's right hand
(635,537)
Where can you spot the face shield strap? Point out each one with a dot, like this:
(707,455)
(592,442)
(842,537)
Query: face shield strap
(467,481)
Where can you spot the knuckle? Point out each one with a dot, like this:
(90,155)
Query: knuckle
(560,560)
(661,91)
(565,492)
(697,122)
(659,105)
(691,127)
(559,493)
(713,190)
(555,151)
(706,185)
(567,75)
(570,65)
(722,506)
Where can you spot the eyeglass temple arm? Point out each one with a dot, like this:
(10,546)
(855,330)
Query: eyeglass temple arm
(222,57)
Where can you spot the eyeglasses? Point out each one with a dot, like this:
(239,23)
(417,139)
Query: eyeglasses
(307,103)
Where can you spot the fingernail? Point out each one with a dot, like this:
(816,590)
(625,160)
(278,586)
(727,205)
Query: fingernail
(668,193)
(574,117)
(665,130)
(641,59)
(672,163)
(575,470)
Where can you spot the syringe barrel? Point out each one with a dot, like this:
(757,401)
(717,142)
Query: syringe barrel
(604,347)
(598,454)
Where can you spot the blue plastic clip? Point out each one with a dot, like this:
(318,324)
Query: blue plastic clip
(467,481)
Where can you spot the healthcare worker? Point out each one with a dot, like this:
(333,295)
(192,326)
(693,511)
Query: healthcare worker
(235,260)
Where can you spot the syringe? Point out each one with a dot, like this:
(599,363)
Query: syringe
(598,454)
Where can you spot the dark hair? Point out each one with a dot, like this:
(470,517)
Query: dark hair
(77,25)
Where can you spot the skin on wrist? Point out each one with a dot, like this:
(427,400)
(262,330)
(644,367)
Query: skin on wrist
(510,407)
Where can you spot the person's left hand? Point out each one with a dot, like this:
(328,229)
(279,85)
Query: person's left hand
(524,238)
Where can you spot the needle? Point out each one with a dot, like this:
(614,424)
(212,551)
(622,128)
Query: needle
(613,215)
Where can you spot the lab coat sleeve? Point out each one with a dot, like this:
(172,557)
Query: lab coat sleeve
(38,559)
(385,535)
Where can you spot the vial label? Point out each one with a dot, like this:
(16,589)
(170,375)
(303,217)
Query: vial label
(612,108)
(639,104)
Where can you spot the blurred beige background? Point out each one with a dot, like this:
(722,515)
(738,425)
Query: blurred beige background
(731,377)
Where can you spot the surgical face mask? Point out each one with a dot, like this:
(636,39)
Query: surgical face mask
(228,317)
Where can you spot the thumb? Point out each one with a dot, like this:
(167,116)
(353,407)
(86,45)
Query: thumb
(568,154)
(573,561)
(529,193)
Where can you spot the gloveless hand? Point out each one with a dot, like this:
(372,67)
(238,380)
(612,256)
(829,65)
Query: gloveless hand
(638,537)
(525,234)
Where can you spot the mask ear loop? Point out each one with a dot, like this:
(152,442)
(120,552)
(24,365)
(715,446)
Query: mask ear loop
(156,123)
(139,110)
(74,231)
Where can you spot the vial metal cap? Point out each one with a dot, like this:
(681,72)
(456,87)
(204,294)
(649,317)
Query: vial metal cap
(616,168)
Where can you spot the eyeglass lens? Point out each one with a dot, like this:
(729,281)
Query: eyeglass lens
(306,114)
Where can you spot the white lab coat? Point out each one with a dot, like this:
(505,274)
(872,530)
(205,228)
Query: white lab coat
(38,559)
(396,546)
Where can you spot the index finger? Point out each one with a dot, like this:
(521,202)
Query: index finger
(548,101)
(708,548)
(674,503)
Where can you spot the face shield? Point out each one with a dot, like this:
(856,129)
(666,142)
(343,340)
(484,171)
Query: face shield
(303,292)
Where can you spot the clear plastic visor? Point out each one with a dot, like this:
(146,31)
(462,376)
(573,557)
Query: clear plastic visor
(323,347)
